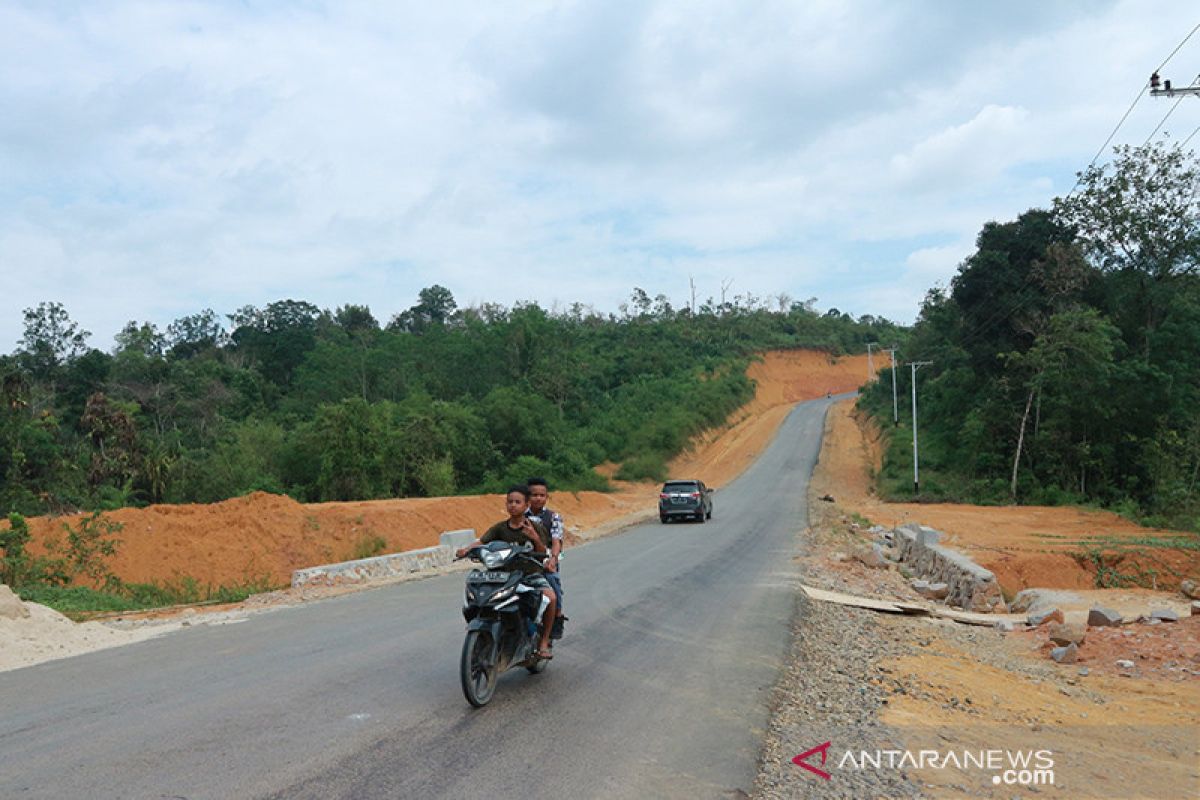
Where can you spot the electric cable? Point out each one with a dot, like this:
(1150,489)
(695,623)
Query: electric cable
(1141,93)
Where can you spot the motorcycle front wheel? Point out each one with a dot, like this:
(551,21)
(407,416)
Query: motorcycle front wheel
(477,674)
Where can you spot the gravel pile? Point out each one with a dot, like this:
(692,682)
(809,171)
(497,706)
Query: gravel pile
(825,695)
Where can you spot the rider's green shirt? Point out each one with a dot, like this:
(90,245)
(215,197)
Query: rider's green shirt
(501,532)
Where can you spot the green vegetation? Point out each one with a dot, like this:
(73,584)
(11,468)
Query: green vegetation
(330,405)
(1066,354)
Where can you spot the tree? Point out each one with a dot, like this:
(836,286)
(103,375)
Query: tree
(435,307)
(51,340)
(1140,215)
(196,333)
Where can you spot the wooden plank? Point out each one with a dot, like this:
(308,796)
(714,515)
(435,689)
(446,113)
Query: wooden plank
(886,606)
(973,618)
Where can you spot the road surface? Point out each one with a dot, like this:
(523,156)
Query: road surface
(660,687)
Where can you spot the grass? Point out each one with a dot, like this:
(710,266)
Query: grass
(369,544)
(1185,542)
(81,603)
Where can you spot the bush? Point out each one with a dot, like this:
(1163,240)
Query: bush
(648,466)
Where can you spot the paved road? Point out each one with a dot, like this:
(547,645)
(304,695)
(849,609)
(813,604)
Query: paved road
(660,688)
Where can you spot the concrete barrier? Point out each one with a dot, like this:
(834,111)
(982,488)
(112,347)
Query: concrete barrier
(457,539)
(387,566)
(971,587)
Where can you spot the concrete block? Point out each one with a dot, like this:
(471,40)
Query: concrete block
(1065,655)
(1042,617)
(457,539)
(1099,617)
(1064,633)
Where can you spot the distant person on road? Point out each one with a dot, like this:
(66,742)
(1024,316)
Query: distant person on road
(520,529)
(539,495)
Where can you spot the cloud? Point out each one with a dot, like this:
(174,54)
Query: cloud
(163,158)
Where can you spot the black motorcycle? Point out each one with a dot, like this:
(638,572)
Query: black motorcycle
(500,613)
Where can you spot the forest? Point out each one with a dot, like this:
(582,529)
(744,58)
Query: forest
(1065,354)
(335,405)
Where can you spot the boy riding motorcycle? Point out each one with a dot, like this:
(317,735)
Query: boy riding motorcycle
(519,529)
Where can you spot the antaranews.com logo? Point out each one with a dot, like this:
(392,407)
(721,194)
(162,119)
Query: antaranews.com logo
(1008,767)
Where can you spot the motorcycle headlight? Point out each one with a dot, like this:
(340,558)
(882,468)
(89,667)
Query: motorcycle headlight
(494,558)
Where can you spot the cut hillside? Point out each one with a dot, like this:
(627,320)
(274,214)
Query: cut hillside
(262,537)
(1025,546)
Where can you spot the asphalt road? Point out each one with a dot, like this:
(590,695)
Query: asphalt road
(660,687)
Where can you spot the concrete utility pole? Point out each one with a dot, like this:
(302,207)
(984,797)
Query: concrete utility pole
(916,470)
(871,361)
(1159,88)
(895,407)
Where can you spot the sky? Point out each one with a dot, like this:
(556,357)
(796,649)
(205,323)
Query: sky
(157,159)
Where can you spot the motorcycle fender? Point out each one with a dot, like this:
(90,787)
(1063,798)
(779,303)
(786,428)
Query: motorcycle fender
(492,626)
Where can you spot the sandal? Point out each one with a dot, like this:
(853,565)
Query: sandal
(544,655)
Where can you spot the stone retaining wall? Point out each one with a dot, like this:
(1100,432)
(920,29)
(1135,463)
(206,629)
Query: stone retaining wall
(388,566)
(971,587)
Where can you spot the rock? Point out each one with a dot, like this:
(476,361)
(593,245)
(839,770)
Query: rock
(875,559)
(1065,633)
(1004,626)
(1190,589)
(1084,671)
(1124,664)
(1196,608)
(11,606)
(1042,617)
(828,498)
(1065,655)
(1099,617)
(938,591)
(920,587)
(1164,615)
(840,558)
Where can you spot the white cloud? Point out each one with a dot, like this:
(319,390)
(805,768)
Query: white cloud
(163,158)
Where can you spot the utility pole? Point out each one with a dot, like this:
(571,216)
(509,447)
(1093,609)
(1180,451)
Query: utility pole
(1163,88)
(895,407)
(871,361)
(916,469)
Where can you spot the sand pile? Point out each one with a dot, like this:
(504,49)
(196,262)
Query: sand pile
(31,633)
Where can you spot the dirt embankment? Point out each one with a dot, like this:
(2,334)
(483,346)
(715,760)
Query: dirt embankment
(1025,546)
(264,537)
(1119,722)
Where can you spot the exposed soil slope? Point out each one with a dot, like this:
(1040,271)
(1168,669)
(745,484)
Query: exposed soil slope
(263,536)
(1025,546)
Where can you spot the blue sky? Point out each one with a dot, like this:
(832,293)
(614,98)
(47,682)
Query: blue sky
(161,158)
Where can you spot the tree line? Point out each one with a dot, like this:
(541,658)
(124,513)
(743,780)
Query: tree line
(333,405)
(1066,353)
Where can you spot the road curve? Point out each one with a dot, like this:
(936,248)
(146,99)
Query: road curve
(660,688)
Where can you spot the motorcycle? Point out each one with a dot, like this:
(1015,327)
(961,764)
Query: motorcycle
(501,615)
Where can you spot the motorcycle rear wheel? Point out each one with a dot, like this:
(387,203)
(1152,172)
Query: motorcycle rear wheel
(477,675)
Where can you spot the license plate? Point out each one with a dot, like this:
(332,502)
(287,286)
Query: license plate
(489,577)
(679,500)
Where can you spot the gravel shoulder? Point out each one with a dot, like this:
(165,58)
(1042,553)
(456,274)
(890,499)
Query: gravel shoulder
(865,681)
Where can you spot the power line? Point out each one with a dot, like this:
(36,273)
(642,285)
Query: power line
(1176,50)
(1141,93)
(1189,138)
(1163,121)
